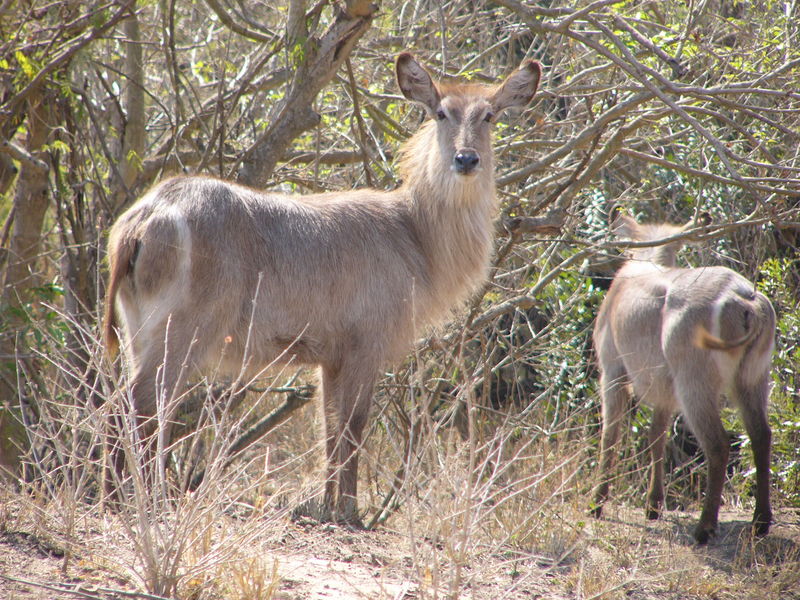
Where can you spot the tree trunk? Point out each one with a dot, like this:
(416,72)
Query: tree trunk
(31,200)
(133,128)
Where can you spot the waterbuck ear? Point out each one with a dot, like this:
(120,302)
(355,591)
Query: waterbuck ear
(621,225)
(519,88)
(703,220)
(699,221)
(416,84)
(614,211)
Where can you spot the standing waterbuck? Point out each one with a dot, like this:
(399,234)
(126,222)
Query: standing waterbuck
(206,272)
(683,338)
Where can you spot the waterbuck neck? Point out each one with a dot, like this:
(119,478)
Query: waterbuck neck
(453,216)
(661,256)
(664,256)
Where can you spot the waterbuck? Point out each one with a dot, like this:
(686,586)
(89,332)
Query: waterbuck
(681,339)
(204,270)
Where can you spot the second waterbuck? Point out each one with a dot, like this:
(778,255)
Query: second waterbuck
(206,273)
(682,338)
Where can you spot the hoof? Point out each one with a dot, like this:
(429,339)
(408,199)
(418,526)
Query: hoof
(653,514)
(596,511)
(312,509)
(761,524)
(353,523)
(346,513)
(703,533)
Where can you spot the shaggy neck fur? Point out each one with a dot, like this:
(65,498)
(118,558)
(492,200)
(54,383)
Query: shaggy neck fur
(453,216)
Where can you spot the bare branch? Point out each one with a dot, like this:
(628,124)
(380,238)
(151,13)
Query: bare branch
(26,158)
(234,25)
(294,115)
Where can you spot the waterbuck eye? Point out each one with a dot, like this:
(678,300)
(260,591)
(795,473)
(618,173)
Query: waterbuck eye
(441,115)
(489,117)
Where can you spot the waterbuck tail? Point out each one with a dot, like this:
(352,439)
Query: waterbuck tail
(703,338)
(121,255)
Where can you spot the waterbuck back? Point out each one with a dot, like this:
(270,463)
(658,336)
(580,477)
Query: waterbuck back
(681,339)
(206,273)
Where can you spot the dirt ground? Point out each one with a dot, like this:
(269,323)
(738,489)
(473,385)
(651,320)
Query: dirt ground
(621,556)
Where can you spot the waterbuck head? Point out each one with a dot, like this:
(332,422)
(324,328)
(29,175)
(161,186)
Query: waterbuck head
(464,112)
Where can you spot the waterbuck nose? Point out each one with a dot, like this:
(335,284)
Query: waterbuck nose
(465,161)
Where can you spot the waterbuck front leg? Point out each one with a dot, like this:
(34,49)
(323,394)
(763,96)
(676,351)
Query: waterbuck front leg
(658,440)
(615,401)
(354,420)
(753,408)
(347,396)
(331,413)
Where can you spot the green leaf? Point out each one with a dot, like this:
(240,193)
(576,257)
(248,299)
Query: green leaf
(25,64)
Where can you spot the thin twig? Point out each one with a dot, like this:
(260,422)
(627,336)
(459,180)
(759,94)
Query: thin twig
(362,136)
(83,591)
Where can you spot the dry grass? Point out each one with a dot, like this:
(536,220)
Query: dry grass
(470,501)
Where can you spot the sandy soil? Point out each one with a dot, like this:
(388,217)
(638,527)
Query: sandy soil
(622,556)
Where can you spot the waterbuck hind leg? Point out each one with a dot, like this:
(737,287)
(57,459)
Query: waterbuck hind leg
(615,402)
(753,408)
(155,389)
(699,406)
(657,441)
(717,458)
(124,431)
(114,468)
